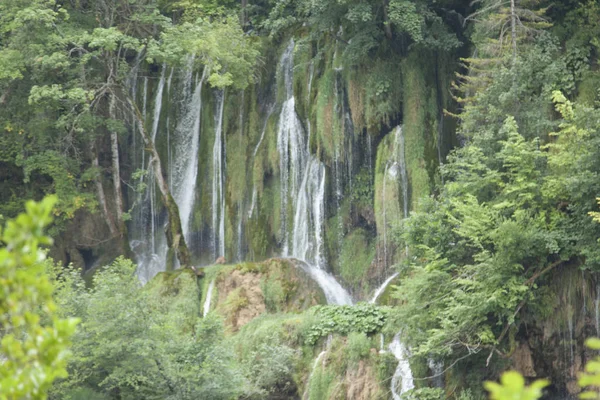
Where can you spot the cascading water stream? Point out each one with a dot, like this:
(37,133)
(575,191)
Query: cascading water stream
(187,136)
(302,182)
(208,299)
(151,247)
(315,365)
(381,288)
(402,381)
(218,182)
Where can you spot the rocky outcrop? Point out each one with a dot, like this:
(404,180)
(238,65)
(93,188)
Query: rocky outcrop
(245,291)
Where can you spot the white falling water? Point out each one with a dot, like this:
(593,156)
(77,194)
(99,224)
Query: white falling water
(316,364)
(158,103)
(292,158)
(290,145)
(207,300)
(151,247)
(381,288)
(437,371)
(146,245)
(187,143)
(402,381)
(218,182)
(302,179)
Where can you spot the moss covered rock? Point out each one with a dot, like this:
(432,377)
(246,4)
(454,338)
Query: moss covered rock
(244,291)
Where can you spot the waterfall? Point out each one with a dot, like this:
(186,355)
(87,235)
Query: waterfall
(437,370)
(316,364)
(207,300)
(402,381)
(290,145)
(302,183)
(381,288)
(218,182)
(158,103)
(292,158)
(240,234)
(145,244)
(151,247)
(187,136)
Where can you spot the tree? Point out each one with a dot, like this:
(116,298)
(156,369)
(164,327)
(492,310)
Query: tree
(34,340)
(78,91)
(144,342)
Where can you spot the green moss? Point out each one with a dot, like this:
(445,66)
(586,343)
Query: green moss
(235,301)
(588,92)
(356,257)
(420,119)
(180,292)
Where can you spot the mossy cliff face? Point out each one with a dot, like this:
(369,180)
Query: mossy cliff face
(348,115)
(247,290)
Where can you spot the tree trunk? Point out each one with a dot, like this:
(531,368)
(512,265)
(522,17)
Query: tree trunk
(244,15)
(175,238)
(387,26)
(101,195)
(513,30)
(116,174)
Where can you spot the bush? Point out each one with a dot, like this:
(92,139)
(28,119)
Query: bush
(358,346)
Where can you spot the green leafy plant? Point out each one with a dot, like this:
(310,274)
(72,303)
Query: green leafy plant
(34,347)
(512,386)
(363,318)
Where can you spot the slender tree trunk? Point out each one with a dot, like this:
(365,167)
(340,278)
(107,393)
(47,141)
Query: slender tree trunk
(244,14)
(101,195)
(513,30)
(387,27)
(116,174)
(175,238)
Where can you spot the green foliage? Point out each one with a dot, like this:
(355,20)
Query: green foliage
(362,318)
(34,340)
(220,45)
(356,257)
(512,386)
(590,379)
(358,346)
(425,393)
(146,341)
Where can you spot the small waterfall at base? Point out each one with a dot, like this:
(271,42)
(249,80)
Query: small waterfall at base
(302,182)
(315,365)
(381,288)
(437,370)
(207,300)
(218,182)
(402,381)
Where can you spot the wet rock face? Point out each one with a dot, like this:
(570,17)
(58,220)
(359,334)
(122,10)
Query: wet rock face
(361,382)
(240,298)
(247,290)
(551,338)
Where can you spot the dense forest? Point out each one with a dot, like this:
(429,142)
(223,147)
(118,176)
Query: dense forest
(299,199)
